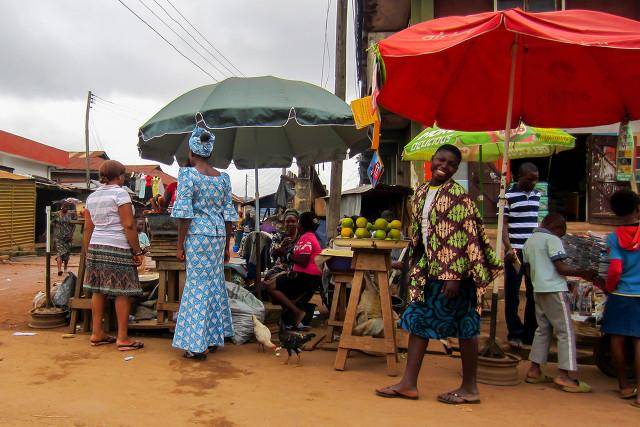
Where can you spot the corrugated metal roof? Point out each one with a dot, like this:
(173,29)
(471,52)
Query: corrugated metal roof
(12,176)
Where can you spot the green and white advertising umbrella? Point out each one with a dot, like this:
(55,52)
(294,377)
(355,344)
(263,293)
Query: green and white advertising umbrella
(526,141)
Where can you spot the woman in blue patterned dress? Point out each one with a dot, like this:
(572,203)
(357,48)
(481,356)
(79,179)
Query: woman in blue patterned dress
(205,214)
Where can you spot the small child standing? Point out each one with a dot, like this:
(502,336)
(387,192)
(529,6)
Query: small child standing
(543,255)
(621,318)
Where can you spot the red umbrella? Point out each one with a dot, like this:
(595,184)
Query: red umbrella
(572,68)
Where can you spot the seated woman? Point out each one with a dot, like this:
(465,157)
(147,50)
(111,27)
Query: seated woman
(305,276)
(282,247)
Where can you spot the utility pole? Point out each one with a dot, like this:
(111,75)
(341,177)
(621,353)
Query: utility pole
(335,185)
(86,139)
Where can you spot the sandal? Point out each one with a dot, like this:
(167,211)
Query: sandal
(134,345)
(628,393)
(301,327)
(195,356)
(106,340)
(540,379)
(395,394)
(212,349)
(453,398)
(580,387)
(635,404)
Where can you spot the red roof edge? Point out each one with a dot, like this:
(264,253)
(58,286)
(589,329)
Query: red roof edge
(26,148)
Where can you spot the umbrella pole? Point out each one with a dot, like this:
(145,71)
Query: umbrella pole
(481,174)
(492,348)
(47,271)
(258,235)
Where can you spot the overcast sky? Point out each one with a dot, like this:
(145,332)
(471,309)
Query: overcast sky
(53,52)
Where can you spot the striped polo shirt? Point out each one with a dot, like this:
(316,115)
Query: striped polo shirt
(521,210)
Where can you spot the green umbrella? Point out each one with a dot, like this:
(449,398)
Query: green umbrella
(257,122)
(526,141)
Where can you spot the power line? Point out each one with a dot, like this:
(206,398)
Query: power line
(126,109)
(107,108)
(94,131)
(204,38)
(356,84)
(167,41)
(179,36)
(231,72)
(324,43)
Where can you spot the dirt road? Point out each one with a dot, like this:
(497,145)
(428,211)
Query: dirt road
(48,380)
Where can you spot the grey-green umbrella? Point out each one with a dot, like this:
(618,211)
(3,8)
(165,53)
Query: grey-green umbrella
(257,122)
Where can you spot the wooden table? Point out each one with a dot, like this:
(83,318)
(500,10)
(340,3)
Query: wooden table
(369,255)
(170,286)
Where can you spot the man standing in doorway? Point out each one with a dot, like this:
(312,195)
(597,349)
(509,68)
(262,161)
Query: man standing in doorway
(520,218)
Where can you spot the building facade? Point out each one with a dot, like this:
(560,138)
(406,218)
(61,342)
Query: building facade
(580,192)
(26,157)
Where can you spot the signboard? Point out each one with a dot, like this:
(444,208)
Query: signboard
(375,169)
(626,154)
(363,113)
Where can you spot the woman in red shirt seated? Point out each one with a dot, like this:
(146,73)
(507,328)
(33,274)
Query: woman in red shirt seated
(302,282)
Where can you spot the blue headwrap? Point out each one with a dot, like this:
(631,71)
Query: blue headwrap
(199,147)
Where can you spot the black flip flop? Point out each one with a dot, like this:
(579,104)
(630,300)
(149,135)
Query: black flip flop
(106,340)
(194,356)
(396,395)
(135,345)
(464,400)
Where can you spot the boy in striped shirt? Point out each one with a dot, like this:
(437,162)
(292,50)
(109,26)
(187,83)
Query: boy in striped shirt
(520,219)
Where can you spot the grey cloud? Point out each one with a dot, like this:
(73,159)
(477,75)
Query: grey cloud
(60,49)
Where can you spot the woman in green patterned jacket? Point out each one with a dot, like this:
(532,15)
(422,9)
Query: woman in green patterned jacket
(451,264)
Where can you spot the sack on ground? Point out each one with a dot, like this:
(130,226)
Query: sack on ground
(243,306)
(64,291)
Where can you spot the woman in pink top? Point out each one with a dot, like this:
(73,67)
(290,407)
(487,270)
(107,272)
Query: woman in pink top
(300,285)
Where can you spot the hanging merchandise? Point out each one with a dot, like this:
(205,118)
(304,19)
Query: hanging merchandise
(142,186)
(160,187)
(154,186)
(375,169)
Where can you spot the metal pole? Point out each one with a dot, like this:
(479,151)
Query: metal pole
(505,152)
(47,271)
(257,239)
(86,139)
(503,187)
(335,185)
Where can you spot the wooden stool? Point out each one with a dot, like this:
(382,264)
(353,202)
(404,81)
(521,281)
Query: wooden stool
(170,287)
(338,303)
(378,261)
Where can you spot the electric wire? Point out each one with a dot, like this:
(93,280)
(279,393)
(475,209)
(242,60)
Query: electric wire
(204,38)
(230,72)
(324,43)
(180,37)
(167,41)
